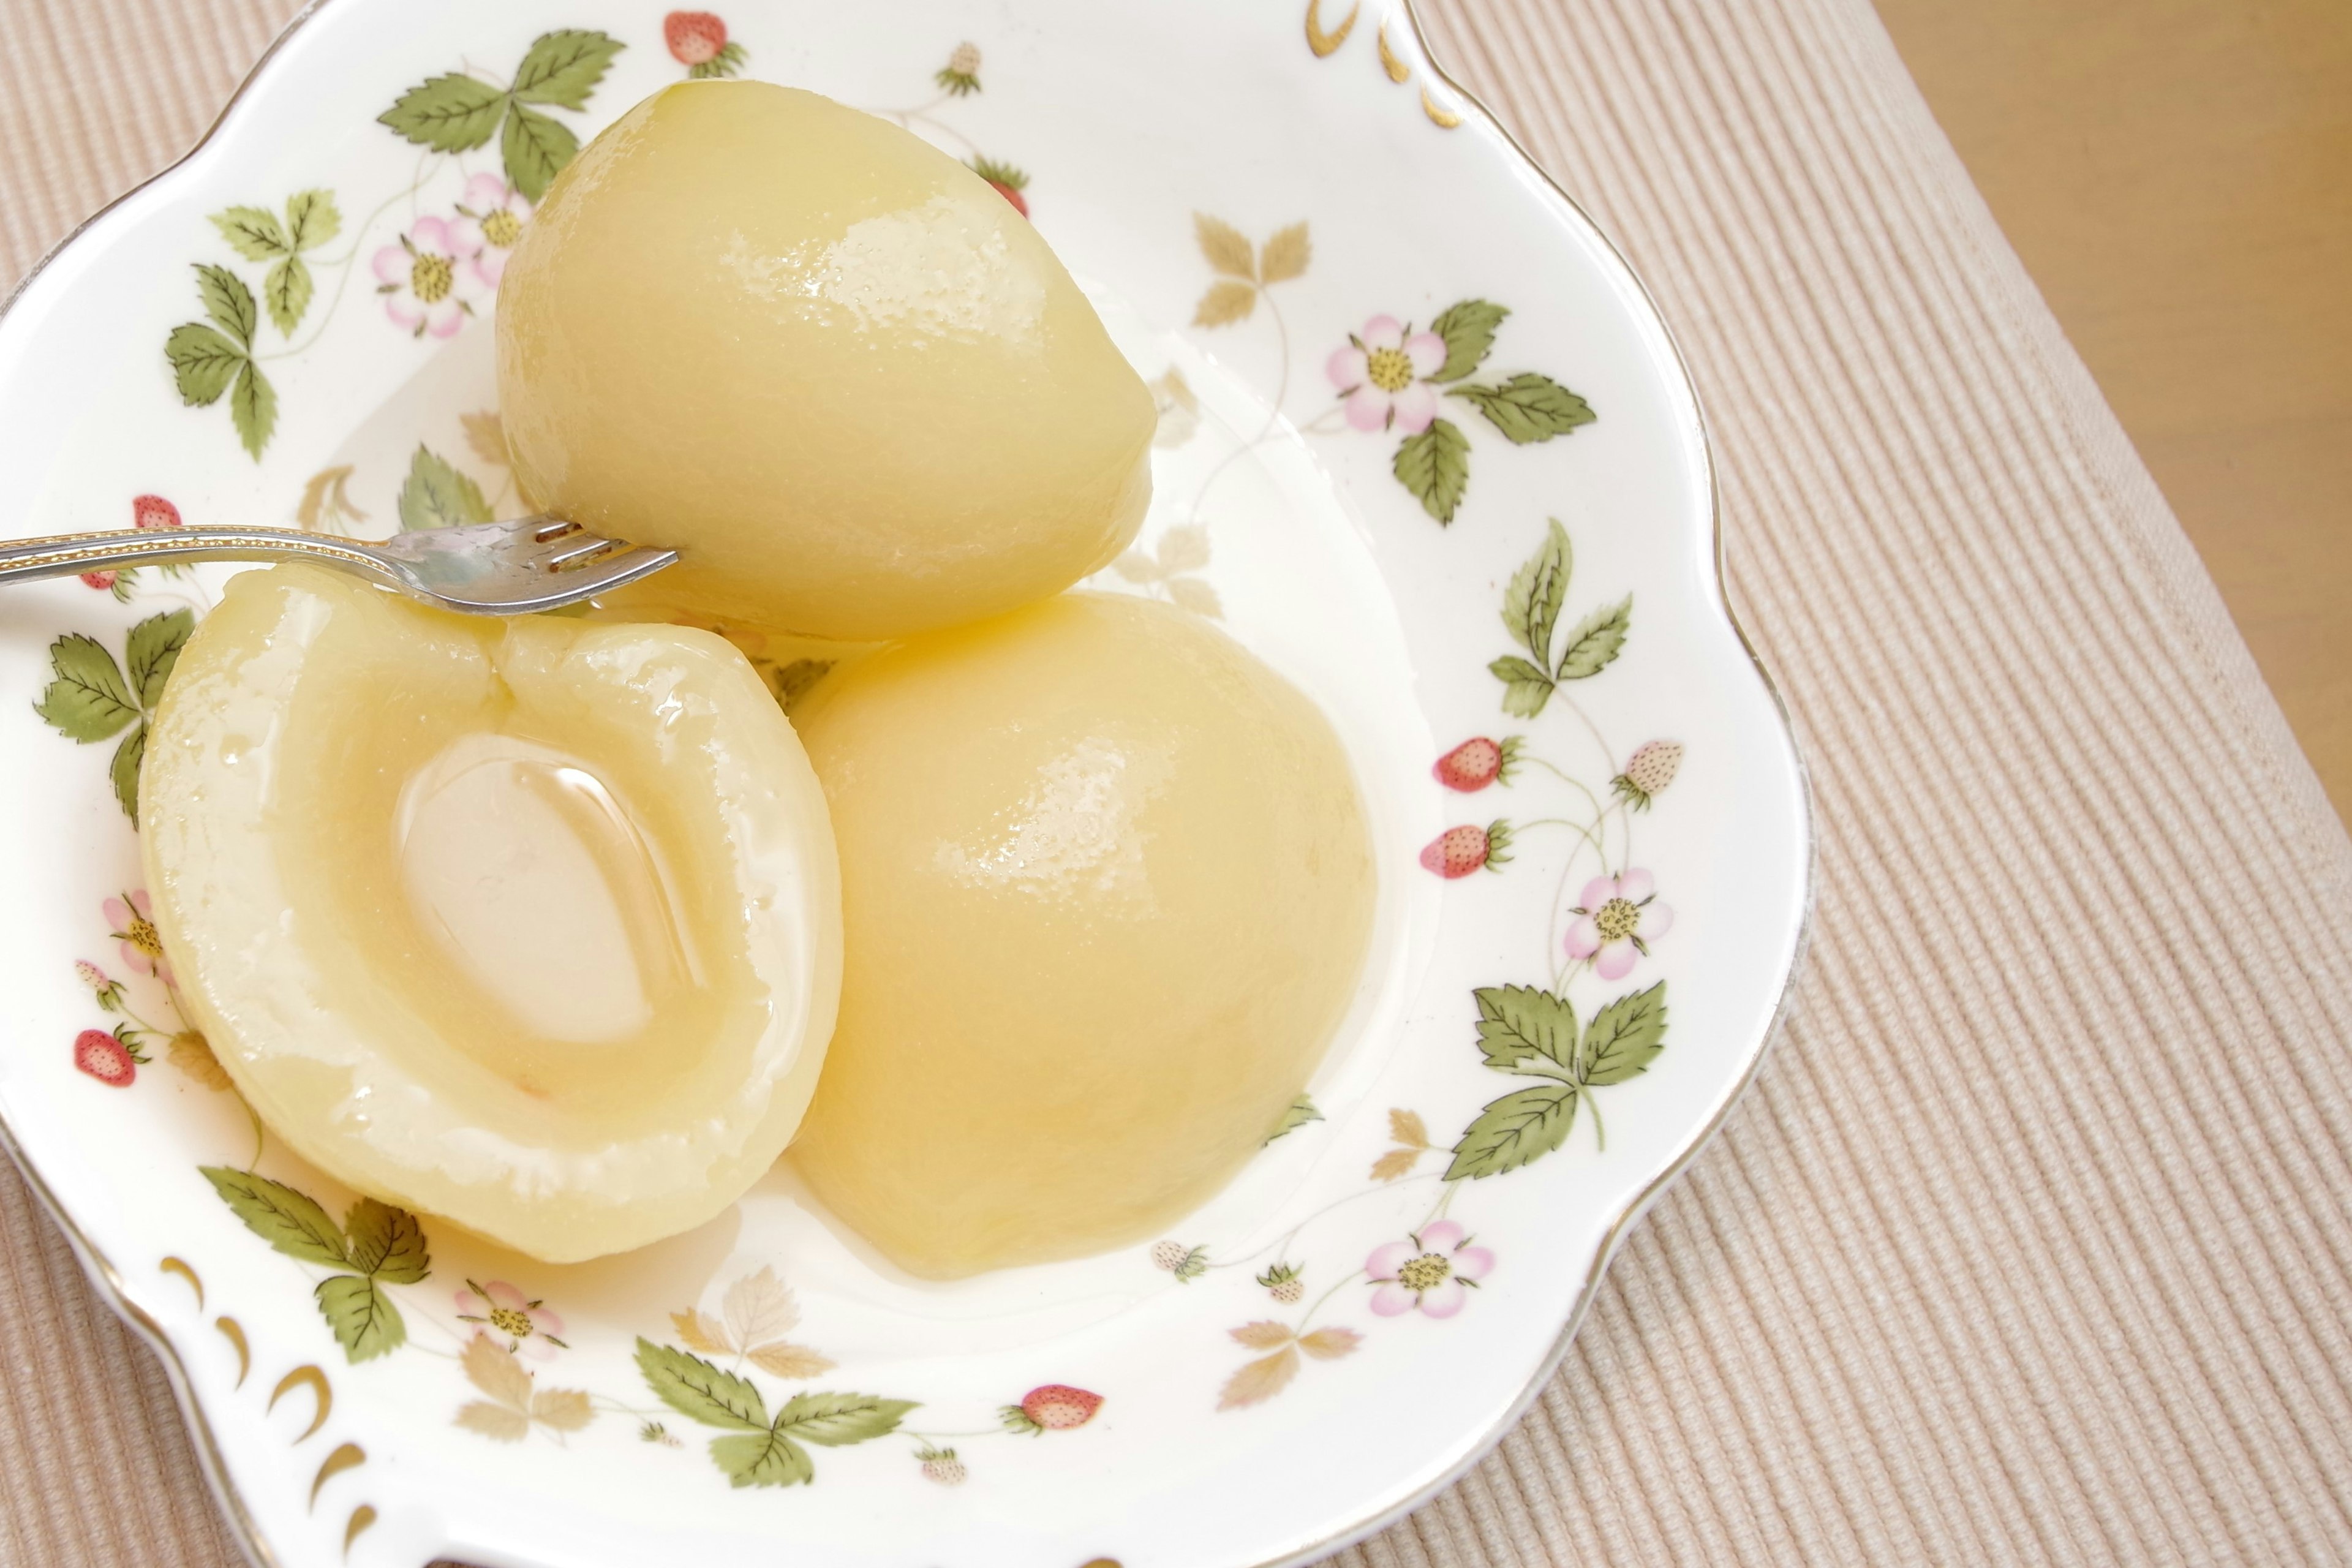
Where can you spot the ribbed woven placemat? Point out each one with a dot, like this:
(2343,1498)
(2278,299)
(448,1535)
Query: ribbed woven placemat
(2032,1245)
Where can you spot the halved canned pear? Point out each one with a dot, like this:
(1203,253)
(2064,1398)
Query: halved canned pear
(534,925)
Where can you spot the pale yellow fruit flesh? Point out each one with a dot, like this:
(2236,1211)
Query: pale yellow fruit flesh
(533,925)
(822,358)
(1107,890)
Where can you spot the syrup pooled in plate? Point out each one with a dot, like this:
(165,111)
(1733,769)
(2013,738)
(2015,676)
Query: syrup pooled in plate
(530,924)
(1107,889)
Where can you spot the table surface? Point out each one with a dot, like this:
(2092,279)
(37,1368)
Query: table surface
(2030,1243)
(2174,175)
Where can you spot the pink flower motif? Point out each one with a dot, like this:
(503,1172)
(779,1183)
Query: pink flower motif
(489,222)
(531,1329)
(426,278)
(1434,1270)
(1618,919)
(132,920)
(1383,373)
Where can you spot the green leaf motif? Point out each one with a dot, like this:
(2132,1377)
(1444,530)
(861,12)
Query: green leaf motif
(1537,589)
(123,772)
(535,149)
(452,113)
(386,1243)
(1625,1037)
(794,681)
(152,649)
(1295,1115)
(563,67)
(1468,329)
(838,1420)
(253,408)
(86,701)
(1435,467)
(695,1388)
(1597,640)
(253,233)
(1518,1023)
(228,301)
(437,495)
(763,1458)
(281,1216)
(366,1323)
(1528,407)
(312,219)
(1511,1131)
(285,290)
(202,362)
(1526,688)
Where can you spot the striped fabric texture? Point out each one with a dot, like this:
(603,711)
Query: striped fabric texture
(2032,1244)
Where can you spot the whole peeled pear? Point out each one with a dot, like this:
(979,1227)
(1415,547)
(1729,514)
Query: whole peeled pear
(827,362)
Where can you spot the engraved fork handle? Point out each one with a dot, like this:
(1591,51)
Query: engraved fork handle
(64,554)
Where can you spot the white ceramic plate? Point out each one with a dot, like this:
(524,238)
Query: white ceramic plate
(1425,445)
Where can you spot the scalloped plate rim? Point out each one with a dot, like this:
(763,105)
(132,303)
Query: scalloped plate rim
(110,1283)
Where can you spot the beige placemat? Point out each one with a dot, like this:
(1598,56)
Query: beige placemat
(2032,1245)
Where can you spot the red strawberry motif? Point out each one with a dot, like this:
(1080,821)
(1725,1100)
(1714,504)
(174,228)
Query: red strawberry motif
(1008,181)
(101,580)
(1458,851)
(1477,762)
(694,37)
(104,1057)
(154,512)
(1054,1407)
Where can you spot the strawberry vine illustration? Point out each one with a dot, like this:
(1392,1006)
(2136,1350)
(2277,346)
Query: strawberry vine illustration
(1295,1115)
(516,1406)
(1246,270)
(959,78)
(459,111)
(375,1246)
(1168,570)
(762,1450)
(1390,378)
(438,494)
(1530,1033)
(215,357)
(1538,1035)
(699,41)
(90,698)
(1531,607)
(310,220)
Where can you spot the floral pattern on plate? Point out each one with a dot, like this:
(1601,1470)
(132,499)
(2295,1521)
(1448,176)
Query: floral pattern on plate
(1412,380)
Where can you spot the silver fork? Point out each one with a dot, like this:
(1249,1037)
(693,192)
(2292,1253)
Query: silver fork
(477,568)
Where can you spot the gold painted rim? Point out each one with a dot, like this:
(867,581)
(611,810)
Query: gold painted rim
(110,1279)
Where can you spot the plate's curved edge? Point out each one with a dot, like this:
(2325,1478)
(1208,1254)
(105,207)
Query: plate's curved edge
(1630,1216)
(95,1263)
(110,1283)
(245,85)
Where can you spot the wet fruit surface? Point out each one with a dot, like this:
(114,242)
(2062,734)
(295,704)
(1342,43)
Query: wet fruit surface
(823,358)
(531,924)
(1107,889)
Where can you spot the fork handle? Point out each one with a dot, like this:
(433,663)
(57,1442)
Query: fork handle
(65,554)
